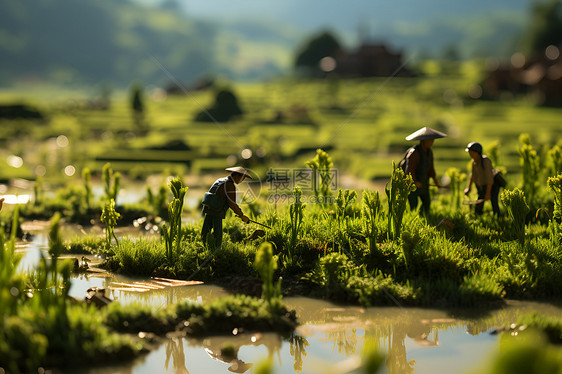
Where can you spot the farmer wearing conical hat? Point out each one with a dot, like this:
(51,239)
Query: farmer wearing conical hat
(221,196)
(419,163)
(483,177)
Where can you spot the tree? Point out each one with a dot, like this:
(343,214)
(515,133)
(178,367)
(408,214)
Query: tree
(137,105)
(223,110)
(316,49)
(545,27)
(137,101)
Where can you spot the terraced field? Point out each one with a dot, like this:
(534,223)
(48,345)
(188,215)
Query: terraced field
(361,123)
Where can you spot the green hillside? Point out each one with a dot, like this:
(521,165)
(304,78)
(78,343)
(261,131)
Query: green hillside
(79,41)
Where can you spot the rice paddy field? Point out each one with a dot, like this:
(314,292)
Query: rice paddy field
(345,270)
(362,123)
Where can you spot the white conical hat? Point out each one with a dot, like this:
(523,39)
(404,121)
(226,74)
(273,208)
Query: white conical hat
(239,170)
(426,133)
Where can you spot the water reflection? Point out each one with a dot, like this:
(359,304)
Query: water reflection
(228,351)
(174,349)
(329,339)
(297,349)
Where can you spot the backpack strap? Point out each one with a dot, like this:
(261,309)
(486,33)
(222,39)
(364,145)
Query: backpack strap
(218,183)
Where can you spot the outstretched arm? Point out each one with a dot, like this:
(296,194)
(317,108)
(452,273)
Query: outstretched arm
(231,200)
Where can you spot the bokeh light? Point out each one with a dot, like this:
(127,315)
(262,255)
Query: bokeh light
(62,141)
(518,60)
(15,161)
(328,64)
(552,52)
(70,170)
(246,153)
(16,199)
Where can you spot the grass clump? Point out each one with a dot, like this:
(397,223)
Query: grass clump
(517,208)
(139,257)
(240,312)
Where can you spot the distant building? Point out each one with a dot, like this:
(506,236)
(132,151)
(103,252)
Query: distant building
(370,60)
(540,76)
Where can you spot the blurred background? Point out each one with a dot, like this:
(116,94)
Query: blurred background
(192,87)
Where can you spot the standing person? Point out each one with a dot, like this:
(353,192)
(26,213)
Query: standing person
(221,196)
(483,177)
(419,163)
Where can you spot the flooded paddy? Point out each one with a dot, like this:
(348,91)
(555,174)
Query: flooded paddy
(330,338)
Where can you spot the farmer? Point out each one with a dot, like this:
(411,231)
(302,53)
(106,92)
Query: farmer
(221,196)
(419,164)
(483,177)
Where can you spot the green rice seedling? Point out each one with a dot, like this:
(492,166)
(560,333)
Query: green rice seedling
(321,165)
(344,199)
(56,244)
(111,180)
(555,157)
(456,178)
(555,224)
(88,195)
(158,200)
(266,264)
(530,162)
(371,207)
(555,185)
(518,209)
(38,191)
(397,191)
(172,231)
(296,214)
(56,248)
(109,218)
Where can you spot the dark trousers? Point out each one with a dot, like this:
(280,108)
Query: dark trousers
(212,223)
(423,195)
(478,208)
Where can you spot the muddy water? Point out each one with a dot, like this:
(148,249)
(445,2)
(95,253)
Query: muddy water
(329,340)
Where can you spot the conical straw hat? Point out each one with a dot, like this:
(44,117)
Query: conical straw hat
(426,133)
(239,170)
